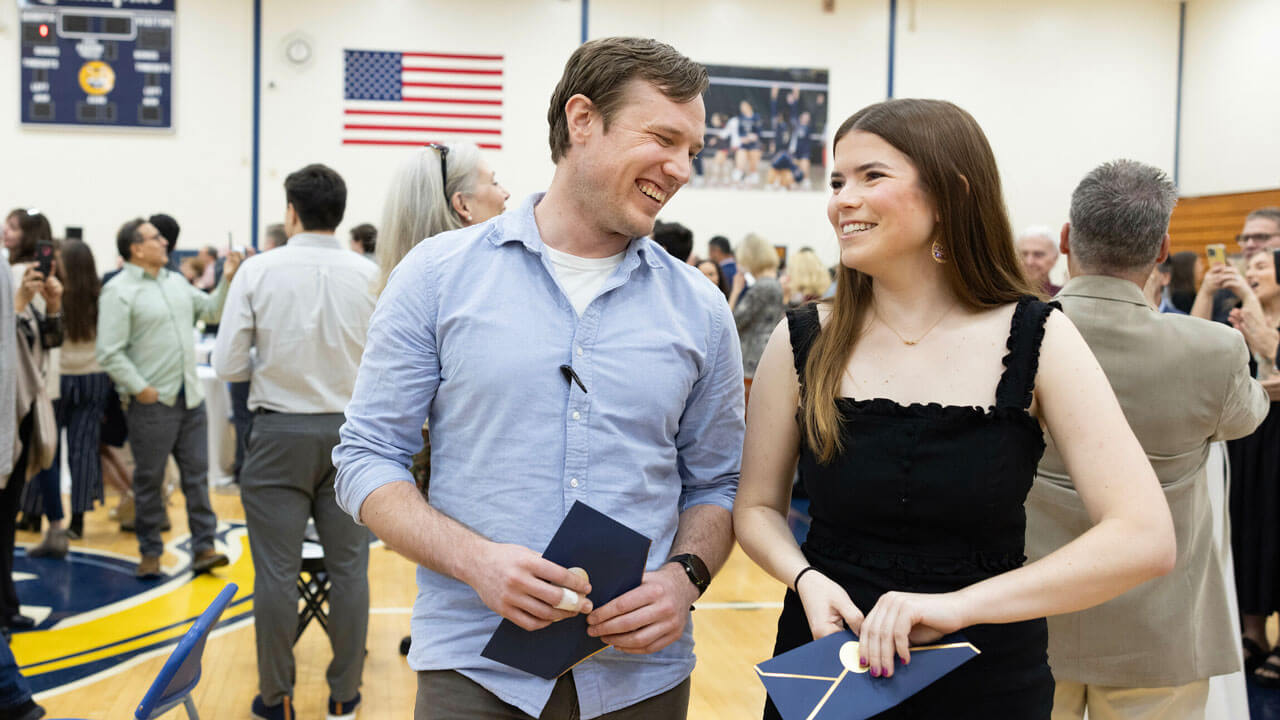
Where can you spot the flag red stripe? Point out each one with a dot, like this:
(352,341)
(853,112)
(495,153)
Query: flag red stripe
(463,116)
(423,128)
(456,86)
(455,71)
(451,57)
(411,143)
(452,101)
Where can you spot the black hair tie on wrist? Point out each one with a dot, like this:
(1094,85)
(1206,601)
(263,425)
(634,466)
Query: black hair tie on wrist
(795,584)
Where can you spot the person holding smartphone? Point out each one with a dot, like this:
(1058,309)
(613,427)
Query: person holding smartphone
(37,303)
(1215,300)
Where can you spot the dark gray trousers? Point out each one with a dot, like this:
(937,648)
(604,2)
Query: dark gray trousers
(288,478)
(450,695)
(157,431)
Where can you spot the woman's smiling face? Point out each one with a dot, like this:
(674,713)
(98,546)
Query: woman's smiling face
(880,211)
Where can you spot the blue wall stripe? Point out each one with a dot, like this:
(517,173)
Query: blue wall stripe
(586,6)
(893,36)
(1177,120)
(257,116)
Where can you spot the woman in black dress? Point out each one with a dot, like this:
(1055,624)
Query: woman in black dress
(915,403)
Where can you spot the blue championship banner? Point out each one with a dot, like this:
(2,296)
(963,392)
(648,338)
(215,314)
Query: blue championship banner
(97,62)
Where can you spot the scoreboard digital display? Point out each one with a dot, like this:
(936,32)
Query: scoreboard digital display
(97,62)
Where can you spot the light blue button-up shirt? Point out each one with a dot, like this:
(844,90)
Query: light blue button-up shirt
(471,333)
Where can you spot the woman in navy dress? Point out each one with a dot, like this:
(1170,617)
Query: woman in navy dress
(915,403)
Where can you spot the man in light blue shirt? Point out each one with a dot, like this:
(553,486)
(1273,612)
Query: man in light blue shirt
(644,424)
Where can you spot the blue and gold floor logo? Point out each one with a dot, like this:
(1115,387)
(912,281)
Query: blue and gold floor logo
(96,618)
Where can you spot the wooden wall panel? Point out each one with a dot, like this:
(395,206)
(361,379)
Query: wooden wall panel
(1201,221)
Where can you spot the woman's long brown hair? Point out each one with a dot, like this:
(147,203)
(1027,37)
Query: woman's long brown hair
(958,172)
(80,291)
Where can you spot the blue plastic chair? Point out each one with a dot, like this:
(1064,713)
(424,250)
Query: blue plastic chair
(181,672)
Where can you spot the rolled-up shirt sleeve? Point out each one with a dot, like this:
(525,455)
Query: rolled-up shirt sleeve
(709,440)
(397,381)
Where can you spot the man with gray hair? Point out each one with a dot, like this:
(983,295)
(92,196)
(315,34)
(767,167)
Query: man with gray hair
(1038,250)
(1183,383)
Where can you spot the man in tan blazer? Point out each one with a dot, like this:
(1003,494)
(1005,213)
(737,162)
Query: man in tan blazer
(1183,383)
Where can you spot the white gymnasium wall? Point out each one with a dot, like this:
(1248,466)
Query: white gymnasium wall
(1230,103)
(1059,86)
(97,179)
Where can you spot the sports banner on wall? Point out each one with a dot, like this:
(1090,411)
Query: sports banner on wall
(764,129)
(96,63)
(414,98)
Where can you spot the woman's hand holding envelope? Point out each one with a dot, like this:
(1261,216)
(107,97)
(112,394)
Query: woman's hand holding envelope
(900,620)
(525,588)
(827,606)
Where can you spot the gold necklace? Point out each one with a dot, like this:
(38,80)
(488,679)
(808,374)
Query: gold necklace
(905,341)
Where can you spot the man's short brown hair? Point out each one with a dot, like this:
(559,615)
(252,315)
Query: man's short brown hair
(601,69)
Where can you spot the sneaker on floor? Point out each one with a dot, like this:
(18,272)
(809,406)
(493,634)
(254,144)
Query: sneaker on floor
(148,568)
(28,710)
(263,711)
(55,544)
(343,710)
(206,560)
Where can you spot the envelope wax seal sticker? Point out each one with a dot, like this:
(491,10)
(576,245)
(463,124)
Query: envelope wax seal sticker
(824,680)
(592,545)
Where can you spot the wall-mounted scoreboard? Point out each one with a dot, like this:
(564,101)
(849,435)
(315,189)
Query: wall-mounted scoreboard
(97,62)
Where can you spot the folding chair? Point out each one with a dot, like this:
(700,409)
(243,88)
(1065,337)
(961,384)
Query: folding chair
(181,672)
(313,588)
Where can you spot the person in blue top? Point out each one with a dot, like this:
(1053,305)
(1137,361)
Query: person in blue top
(559,355)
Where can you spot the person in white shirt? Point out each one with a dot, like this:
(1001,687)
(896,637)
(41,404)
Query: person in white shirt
(303,310)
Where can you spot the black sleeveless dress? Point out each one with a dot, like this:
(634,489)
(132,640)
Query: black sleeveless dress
(929,499)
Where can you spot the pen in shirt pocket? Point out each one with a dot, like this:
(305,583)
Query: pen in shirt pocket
(572,377)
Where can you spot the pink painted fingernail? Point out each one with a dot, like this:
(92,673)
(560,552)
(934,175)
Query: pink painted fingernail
(875,672)
(863,662)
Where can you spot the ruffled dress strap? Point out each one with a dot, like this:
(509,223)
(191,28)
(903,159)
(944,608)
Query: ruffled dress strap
(1026,331)
(804,326)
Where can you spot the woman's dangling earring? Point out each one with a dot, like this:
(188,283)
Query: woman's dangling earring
(939,255)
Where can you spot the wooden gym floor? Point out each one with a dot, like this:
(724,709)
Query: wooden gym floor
(733,629)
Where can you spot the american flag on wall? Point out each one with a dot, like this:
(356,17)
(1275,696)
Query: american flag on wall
(415,98)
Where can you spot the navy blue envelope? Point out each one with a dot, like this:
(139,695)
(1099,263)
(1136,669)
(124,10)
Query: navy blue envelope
(823,681)
(613,556)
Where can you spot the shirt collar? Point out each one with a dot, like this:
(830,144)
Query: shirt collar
(135,271)
(519,226)
(1104,287)
(306,239)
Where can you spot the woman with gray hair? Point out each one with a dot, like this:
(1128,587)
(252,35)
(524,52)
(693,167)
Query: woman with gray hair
(440,187)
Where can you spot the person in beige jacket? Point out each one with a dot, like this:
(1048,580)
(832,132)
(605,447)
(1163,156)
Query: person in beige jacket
(1183,383)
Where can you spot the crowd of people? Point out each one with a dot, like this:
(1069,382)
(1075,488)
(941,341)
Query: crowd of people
(976,456)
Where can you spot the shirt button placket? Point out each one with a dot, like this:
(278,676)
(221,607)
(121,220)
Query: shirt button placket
(576,429)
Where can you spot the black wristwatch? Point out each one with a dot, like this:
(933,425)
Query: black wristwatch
(695,569)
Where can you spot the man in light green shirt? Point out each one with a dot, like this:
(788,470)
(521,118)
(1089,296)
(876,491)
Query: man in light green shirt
(146,344)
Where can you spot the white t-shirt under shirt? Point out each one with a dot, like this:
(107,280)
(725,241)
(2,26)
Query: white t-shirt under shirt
(582,277)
